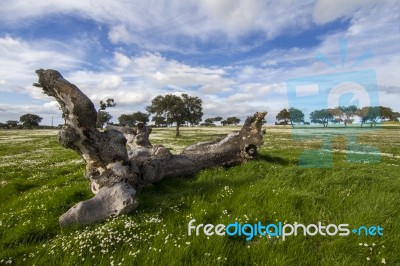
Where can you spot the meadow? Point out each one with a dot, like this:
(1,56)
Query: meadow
(40,180)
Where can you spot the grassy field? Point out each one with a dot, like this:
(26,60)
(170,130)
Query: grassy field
(40,180)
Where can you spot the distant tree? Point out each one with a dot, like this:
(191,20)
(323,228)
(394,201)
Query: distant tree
(211,121)
(208,122)
(141,117)
(292,115)
(284,116)
(296,116)
(348,112)
(217,119)
(169,106)
(344,114)
(395,117)
(108,103)
(373,114)
(177,109)
(337,114)
(388,114)
(193,108)
(160,121)
(362,114)
(30,120)
(132,119)
(126,120)
(230,121)
(2,125)
(12,123)
(322,116)
(104,117)
(233,120)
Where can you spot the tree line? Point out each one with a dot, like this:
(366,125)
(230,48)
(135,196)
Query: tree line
(340,114)
(166,110)
(25,121)
(185,110)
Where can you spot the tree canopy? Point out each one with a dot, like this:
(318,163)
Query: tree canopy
(348,113)
(30,120)
(193,109)
(233,120)
(343,114)
(292,115)
(217,119)
(108,103)
(296,116)
(388,114)
(374,113)
(104,117)
(160,121)
(177,109)
(283,115)
(12,123)
(322,116)
(211,121)
(132,119)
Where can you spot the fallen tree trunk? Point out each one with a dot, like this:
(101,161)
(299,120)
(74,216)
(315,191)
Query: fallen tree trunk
(120,161)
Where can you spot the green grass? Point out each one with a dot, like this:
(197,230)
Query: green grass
(40,180)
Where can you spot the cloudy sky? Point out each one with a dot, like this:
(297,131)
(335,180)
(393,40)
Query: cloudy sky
(237,56)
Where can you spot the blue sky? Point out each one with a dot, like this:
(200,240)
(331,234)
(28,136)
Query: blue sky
(235,55)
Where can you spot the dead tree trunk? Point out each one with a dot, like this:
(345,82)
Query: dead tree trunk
(120,161)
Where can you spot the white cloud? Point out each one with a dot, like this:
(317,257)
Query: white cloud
(19,60)
(162,26)
(51,104)
(327,10)
(133,81)
(237,18)
(111,82)
(240,97)
(158,72)
(121,60)
(119,34)
(221,107)
(264,89)
(269,63)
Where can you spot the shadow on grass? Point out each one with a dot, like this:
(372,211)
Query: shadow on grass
(22,187)
(274,159)
(170,191)
(206,184)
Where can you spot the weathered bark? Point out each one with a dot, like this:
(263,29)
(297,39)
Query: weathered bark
(120,161)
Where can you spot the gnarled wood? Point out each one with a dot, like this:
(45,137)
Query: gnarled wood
(119,161)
